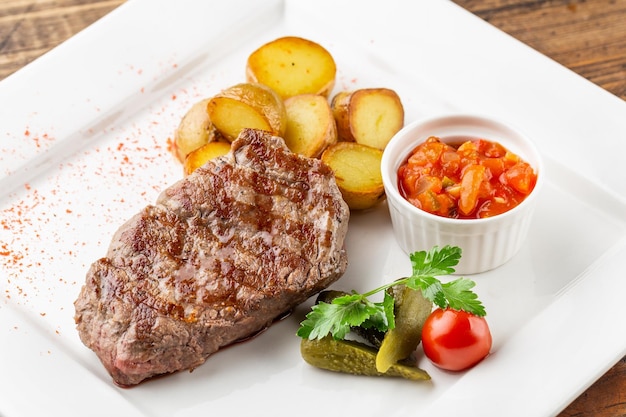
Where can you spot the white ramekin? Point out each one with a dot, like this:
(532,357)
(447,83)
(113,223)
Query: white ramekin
(485,243)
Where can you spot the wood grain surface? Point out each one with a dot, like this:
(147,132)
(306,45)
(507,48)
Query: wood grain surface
(587,36)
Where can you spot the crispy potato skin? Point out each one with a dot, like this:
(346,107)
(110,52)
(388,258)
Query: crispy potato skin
(194,130)
(247,105)
(357,171)
(340,107)
(369,116)
(291,66)
(200,156)
(311,126)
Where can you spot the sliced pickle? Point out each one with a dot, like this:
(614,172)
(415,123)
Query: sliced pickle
(411,310)
(353,358)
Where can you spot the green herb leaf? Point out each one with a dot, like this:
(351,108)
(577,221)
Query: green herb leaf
(460,297)
(436,261)
(431,288)
(338,317)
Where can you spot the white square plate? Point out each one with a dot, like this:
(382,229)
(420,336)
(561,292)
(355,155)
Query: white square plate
(84,145)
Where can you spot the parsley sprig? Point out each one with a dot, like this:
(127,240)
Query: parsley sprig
(352,310)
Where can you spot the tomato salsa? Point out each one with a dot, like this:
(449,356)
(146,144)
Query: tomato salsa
(476,179)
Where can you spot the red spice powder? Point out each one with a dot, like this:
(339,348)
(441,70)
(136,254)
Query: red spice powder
(171,146)
(38,224)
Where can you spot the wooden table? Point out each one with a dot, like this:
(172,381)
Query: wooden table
(587,36)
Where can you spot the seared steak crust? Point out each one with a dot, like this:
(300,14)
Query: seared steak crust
(221,255)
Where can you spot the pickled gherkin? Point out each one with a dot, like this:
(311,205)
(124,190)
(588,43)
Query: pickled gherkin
(354,358)
(411,310)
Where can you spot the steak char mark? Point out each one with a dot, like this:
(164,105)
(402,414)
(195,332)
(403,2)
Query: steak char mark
(222,254)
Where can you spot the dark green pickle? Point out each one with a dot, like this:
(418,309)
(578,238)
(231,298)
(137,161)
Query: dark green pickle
(352,357)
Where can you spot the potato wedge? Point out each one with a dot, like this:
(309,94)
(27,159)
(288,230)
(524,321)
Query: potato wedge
(247,105)
(357,170)
(369,116)
(195,129)
(200,156)
(292,66)
(311,126)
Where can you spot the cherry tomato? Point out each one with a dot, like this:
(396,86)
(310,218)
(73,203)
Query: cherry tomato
(455,340)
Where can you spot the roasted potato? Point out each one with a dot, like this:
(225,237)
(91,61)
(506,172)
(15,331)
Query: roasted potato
(200,156)
(195,129)
(292,66)
(369,116)
(310,125)
(247,105)
(357,171)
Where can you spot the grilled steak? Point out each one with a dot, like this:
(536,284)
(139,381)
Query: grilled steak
(221,255)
